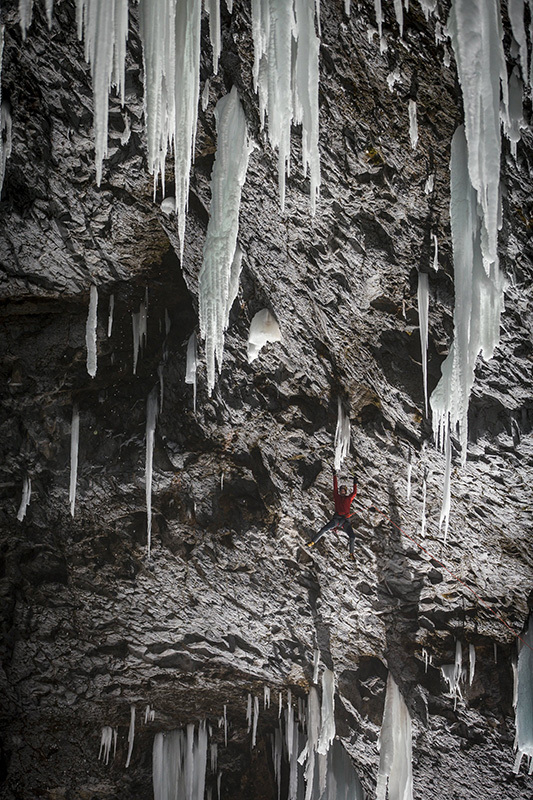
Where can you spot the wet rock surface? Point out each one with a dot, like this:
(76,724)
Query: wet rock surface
(231,600)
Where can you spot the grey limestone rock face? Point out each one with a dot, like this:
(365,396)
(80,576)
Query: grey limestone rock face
(231,601)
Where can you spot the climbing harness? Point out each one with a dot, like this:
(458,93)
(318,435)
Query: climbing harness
(373,507)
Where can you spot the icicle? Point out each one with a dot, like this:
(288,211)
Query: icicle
(423,312)
(446,493)
(425,656)
(217,274)
(423,516)
(225,726)
(428,7)
(131,735)
(280,704)
(347,5)
(151,418)
(219,783)
(453,673)
(104,26)
(6,124)
(222,481)
(471,663)
(105,744)
(26,497)
(475,29)
(180,764)
(266,697)
(213,758)
(515,121)
(140,329)
(264,328)
(192,363)
(160,372)
(327,731)
(413,124)
(436,252)
(409,478)
(395,746)
(515,9)
(289,724)
(170,35)
(110,315)
(90,331)
(342,437)
(255,721)
(74,445)
(316,660)
(205,95)
(249,712)
(276,758)
(398,10)
(149,715)
(478,305)
(514,667)
(379,23)
(213,10)
(308,754)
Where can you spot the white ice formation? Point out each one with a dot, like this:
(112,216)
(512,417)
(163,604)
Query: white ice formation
(26,497)
(255,721)
(168,205)
(222,259)
(90,331)
(514,123)
(151,419)
(74,446)
(395,779)
(342,436)
(179,764)
(109,735)
(524,701)
(110,315)
(131,735)
(264,328)
(191,367)
(327,731)
(471,663)
(435,252)
(6,124)
(413,124)
(170,33)
(424,500)
(286,49)
(453,674)
(139,321)
(423,314)
(213,9)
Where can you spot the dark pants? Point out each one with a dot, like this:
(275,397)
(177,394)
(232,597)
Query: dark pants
(340,523)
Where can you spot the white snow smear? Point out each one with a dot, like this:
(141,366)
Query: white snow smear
(170,33)
(395,746)
(131,735)
(413,124)
(90,331)
(74,445)
(284,34)
(524,701)
(475,29)
(423,314)
(110,315)
(478,305)
(179,764)
(220,259)
(342,436)
(192,363)
(264,328)
(151,419)
(26,497)
(103,24)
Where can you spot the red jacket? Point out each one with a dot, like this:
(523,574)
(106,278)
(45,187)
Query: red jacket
(343,502)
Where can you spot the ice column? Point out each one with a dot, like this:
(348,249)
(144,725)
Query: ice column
(151,418)
(170,34)
(104,26)
(264,328)
(423,314)
(90,331)
(327,731)
(342,437)
(190,370)
(282,29)
(395,745)
(26,497)
(524,701)
(478,305)
(179,764)
(220,247)
(74,445)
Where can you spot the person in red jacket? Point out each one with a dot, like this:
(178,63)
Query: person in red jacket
(340,520)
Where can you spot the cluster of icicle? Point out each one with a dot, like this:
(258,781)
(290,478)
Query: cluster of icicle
(523,701)
(342,437)
(395,778)
(455,675)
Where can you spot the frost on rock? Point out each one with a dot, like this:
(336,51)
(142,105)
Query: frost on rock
(264,328)
(103,24)
(170,33)
(90,331)
(221,258)
(478,305)
(192,364)
(524,701)
(151,419)
(475,29)
(26,497)
(179,764)
(284,34)
(74,446)
(423,314)
(395,748)
(342,436)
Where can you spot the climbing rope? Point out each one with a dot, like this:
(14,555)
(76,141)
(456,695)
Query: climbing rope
(455,577)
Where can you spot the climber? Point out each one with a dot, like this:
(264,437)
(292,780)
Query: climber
(340,520)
